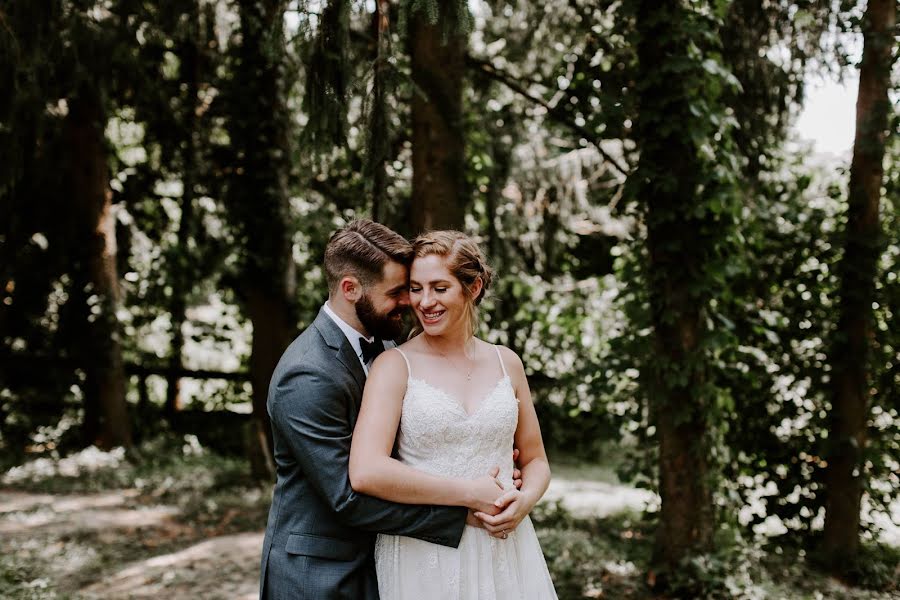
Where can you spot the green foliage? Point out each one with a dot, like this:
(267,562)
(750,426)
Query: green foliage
(876,567)
(770,87)
(165,466)
(23,581)
(45,299)
(327,78)
(573,556)
(777,370)
(732,571)
(452,15)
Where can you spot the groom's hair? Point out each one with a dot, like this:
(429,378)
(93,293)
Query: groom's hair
(361,249)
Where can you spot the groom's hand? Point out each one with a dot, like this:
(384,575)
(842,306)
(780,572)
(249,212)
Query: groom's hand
(484,491)
(474,521)
(517,474)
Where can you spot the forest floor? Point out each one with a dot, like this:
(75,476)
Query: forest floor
(96,525)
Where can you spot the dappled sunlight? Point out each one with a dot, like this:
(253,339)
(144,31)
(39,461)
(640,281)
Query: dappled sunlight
(80,464)
(93,501)
(12,501)
(69,558)
(24,512)
(888,525)
(224,567)
(586,498)
(17,501)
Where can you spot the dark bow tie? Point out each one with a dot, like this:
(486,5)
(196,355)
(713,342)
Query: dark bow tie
(370,350)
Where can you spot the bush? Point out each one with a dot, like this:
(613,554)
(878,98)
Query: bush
(591,558)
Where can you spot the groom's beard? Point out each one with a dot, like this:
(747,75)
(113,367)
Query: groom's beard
(383,326)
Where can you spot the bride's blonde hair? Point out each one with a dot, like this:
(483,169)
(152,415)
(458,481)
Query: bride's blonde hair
(465,261)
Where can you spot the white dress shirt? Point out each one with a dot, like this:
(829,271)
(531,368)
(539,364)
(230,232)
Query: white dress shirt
(352,335)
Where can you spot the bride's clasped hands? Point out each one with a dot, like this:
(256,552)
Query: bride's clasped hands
(511,507)
(494,508)
(483,493)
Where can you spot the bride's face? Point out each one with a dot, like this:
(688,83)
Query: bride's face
(436,296)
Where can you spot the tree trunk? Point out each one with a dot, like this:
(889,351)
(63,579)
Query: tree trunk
(274,326)
(439,195)
(258,204)
(863,244)
(379,143)
(667,182)
(686,521)
(93,227)
(181,270)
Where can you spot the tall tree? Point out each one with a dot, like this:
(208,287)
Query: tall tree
(863,244)
(93,244)
(682,184)
(378,142)
(191,62)
(31,201)
(57,183)
(437,46)
(257,200)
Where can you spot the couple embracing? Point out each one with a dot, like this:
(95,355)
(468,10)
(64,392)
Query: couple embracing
(426,503)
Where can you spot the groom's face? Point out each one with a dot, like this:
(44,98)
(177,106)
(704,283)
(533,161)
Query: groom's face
(383,304)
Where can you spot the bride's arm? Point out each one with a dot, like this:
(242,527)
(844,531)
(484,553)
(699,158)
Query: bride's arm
(375,472)
(532,456)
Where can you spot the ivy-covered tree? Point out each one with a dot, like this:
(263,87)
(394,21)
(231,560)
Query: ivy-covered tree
(684,184)
(851,353)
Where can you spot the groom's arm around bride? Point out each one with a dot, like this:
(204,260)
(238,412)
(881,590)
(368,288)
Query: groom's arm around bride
(320,530)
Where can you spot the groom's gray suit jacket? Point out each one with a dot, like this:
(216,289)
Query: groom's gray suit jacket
(319,542)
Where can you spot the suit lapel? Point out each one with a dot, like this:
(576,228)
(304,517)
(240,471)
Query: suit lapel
(336,340)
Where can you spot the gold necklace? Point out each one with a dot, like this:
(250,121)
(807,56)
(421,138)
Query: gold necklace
(450,360)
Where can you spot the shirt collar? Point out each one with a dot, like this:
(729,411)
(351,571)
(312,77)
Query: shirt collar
(352,334)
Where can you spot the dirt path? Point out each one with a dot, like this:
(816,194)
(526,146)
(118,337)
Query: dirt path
(124,544)
(96,546)
(225,567)
(121,544)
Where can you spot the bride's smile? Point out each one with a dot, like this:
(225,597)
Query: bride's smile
(436,296)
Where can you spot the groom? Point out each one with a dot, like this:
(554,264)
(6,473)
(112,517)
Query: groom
(319,542)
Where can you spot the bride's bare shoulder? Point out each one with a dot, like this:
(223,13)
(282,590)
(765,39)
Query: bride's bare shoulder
(413,345)
(388,362)
(511,360)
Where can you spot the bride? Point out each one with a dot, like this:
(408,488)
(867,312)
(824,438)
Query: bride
(461,405)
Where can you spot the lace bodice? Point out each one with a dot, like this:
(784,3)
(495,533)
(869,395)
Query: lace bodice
(438,436)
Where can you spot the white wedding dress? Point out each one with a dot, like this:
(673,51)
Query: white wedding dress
(436,435)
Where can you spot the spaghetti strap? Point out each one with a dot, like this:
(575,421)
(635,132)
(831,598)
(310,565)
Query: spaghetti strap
(502,366)
(406,360)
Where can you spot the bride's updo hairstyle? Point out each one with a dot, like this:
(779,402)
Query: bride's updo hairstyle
(465,261)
